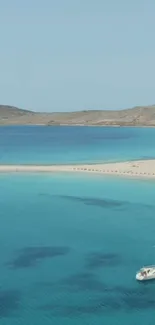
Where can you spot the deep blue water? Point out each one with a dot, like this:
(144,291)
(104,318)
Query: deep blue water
(70,245)
(74,144)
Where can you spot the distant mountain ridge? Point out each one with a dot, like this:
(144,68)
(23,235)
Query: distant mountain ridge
(136,116)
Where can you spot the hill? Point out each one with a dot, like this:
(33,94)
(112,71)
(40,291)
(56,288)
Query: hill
(137,116)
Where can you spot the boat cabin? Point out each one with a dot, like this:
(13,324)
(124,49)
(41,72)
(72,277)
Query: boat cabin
(147,270)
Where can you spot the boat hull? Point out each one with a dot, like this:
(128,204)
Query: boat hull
(140,277)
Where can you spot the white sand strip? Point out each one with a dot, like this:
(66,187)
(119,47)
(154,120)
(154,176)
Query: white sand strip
(142,168)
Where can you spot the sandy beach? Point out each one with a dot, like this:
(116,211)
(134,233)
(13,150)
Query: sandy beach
(141,168)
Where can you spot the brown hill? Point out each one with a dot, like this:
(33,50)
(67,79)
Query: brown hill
(137,116)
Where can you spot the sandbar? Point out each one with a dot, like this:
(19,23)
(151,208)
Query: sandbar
(139,168)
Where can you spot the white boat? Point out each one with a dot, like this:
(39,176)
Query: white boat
(146,273)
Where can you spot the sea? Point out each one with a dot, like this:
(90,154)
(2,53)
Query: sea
(71,244)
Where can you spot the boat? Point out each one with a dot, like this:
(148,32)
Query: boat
(146,273)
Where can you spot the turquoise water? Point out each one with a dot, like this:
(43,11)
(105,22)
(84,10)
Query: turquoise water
(45,145)
(91,235)
(70,245)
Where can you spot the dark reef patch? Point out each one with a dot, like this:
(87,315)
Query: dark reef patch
(104,305)
(103,203)
(83,282)
(9,302)
(109,298)
(29,256)
(74,284)
(99,259)
(70,310)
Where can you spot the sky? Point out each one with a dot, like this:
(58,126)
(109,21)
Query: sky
(68,55)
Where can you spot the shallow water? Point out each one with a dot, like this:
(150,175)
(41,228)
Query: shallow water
(70,246)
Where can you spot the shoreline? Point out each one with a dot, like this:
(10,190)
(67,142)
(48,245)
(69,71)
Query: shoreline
(82,125)
(136,168)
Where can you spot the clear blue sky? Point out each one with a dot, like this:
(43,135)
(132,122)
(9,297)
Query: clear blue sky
(63,55)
